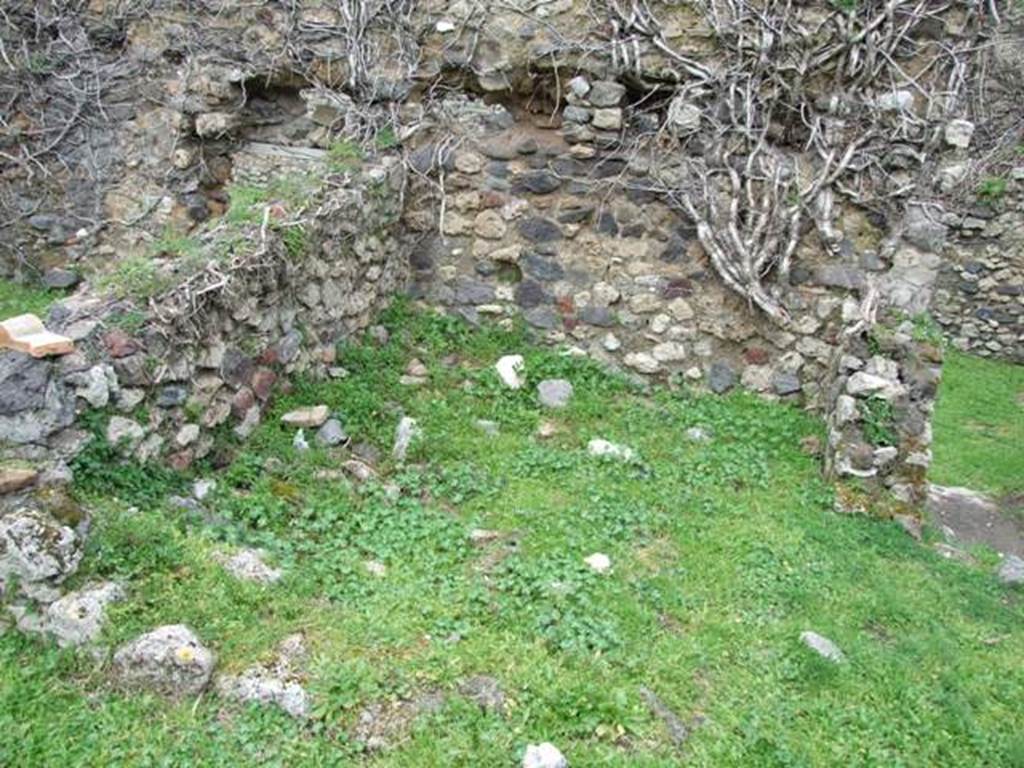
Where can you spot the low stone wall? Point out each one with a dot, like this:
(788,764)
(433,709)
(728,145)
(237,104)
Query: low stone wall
(211,351)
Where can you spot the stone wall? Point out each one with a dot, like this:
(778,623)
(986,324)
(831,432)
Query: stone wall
(980,298)
(187,362)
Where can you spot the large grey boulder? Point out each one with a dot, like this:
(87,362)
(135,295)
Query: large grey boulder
(170,660)
(37,551)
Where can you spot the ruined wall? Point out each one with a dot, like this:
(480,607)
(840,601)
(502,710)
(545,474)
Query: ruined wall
(211,351)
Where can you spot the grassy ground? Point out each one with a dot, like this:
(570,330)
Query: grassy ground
(722,552)
(979,425)
(17,299)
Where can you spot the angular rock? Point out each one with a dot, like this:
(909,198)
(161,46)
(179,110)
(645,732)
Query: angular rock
(249,565)
(554,393)
(721,377)
(822,646)
(511,371)
(331,433)
(958,133)
(1011,571)
(605,448)
(406,431)
(606,93)
(545,755)
(539,230)
(683,116)
(14,479)
(37,551)
(170,660)
(307,418)
(276,684)
(124,431)
(77,618)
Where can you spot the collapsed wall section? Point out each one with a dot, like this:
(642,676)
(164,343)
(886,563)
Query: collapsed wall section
(210,351)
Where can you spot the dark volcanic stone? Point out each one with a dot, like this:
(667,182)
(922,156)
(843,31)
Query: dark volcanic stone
(541,317)
(539,230)
(470,291)
(607,225)
(576,215)
(721,377)
(530,293)
(23,382)
(537,183)
(60,278)
(171,396)
(602,317)
(786,383)
(498,169)
(236,368)
(541,268)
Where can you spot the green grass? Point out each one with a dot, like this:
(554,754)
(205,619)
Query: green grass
(19,299)
(723,552)
(979,425)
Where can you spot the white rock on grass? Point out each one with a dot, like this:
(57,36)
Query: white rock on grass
(544,755)
(406,431)
(554,393)
(510,370)
(299,442)
(202,488)
(75,619)
(822,646)
(1011,572)
(600,447)
(598,562)
(277,683)
(170,660)
(249,565)
(37,552)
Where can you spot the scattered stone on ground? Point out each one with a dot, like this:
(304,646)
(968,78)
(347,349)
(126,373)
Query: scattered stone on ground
(376,568)
(822,646)
(407,431)
(1011,571)
(486,692)
(950,552)
(75,619)
(511,371)
(598,562)
(359,470)
(299,442)
(545,755)
(14,479)
(307,418)
(698,435)
(416,373)
(203,488)
(383,724)
(546,430)
(600,447)
(169,660)
(489,428)
(677,729)
(554,393)
(278,683)
(332,433)
(37,552)
(249,565)
(481,536)
(975,518)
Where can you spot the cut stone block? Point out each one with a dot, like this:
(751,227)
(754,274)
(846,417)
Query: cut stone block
(26,333)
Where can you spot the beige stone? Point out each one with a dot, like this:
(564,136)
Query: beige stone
(307,418)
(490,225)
(26,333)
(16,478)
